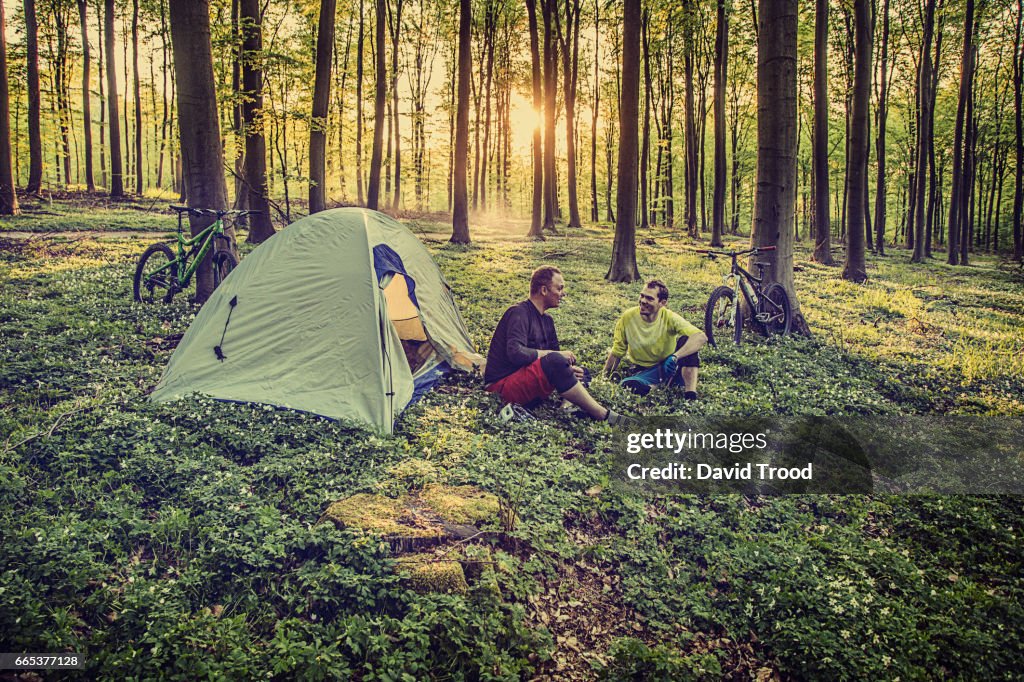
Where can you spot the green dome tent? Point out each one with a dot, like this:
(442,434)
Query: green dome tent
(343,314)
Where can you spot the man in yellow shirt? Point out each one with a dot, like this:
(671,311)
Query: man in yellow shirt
(659,342)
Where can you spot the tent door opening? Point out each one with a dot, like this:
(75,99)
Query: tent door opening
(405,317)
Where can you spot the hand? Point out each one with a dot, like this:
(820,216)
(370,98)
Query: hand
(579,372)
(670,365)
(569,355)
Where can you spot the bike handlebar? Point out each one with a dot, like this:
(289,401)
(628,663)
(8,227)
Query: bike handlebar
(733,254)
(211,211)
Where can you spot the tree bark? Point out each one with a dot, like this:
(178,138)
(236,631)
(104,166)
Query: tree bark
(321,102)
(396,25)
(775,201)
(202,158)
(373,190)
(924,97)
(690,121)
(882,115)
(35,139)
(254,166)
(549,9)
(623,265)
(116,172)
(570,71)
(595,108)
(645,144)
(8,195)
(460,199)
(536,216)
(822,195)
(854,269)
(90,183)
(953,216)
(139,173)
(721,75)
(1018,183)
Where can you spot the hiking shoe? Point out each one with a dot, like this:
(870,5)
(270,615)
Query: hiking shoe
(638,386)
(515,413)
(615,419)
(690,395)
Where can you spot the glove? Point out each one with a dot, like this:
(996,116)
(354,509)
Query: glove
(669,366)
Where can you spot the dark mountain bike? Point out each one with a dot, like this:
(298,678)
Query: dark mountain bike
(723,317)
(161,273)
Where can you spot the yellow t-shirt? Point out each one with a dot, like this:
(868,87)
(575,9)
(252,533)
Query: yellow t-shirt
(648,343)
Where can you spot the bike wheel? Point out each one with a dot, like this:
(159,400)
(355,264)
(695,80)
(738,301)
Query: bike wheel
(775,312)
(156,275)
(223,263)
(722,317)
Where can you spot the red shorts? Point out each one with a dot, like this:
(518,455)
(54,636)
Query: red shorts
(524,385)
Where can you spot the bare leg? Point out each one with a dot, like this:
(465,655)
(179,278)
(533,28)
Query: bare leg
(579,396)
(690,378)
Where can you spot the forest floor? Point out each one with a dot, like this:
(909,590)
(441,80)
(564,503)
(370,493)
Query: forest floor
(182,540)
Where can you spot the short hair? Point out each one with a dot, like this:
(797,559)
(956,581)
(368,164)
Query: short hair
(660,286)
(542,277)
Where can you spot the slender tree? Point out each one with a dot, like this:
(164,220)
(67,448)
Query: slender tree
(396,24)
(254,163)
(1018,182)
(536,219)
(623,266)
(373,190)
(882,116)
(854,269)
(959,150)
(8,195)
(775,200)
(35,139)
(690,117)
(201,156)
(721,75)
(116,172)
(90,183)
(321,101)
(460,206)
(925,100)
(137,92)
(822,211)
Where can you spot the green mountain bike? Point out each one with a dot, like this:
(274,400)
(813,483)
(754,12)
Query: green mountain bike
(723,316)
(162,273)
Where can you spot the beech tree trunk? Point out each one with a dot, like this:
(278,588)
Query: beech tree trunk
(460,198)
(548,10)
(201,156)
(570,64)
(924,97)
(8,195)
(139,172)
(116,172)
(883,96)
(855,269)
(953,217)
(90,183)
(1018,184)
(254,165)
(775,201)
(721,75)
(690,121)
(536,216)
(373,190)
(623,266)
(321,101)
(35,139)
(822,195)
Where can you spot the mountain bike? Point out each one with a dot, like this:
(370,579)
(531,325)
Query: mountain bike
(770,304)
(161,273)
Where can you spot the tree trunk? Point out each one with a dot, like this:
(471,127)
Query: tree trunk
(967,191)
(645,144)
(623,266)
(594,109)
(536,217)
(822,195)
(1018,182)
(775,202)
(116,172)
(90,183)
(924,97)
(35,140)
(373,191)
(360,42)
(321,102)
(460,199)
(953,216)
(570,71)
(202,159)
(882,115)
(690,121)
(396,25)
(721,75)
(854,269)
(254,167)
(549,9)
(8,195)
(138,98)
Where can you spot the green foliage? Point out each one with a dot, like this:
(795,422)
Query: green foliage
(181,541)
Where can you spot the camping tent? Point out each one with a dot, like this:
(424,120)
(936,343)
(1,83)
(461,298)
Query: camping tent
(343,313)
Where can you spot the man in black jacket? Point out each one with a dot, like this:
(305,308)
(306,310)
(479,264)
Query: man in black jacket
(525,363)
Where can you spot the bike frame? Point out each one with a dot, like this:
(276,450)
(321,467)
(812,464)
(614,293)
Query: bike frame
(198,246)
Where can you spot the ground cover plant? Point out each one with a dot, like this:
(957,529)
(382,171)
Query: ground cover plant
(185,540)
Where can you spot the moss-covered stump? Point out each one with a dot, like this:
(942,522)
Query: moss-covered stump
(426,573)
(426,518)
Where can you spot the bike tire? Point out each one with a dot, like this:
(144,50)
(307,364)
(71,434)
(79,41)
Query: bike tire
(223,263)
(719,319)
(775,302)
(147,284)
